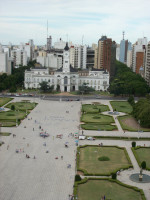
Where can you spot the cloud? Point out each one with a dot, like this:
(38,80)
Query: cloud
(24,19)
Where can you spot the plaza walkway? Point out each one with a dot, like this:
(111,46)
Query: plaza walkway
(47,178)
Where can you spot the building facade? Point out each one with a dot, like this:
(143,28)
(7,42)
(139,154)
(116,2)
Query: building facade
(67,78)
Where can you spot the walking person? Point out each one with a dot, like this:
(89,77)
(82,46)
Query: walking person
(7,146)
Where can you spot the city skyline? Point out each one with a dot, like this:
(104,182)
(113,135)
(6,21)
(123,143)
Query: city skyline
(22,20)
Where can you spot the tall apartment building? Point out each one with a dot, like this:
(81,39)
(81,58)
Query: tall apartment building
(104,53)
(147,64)
(49,43)
(29,48)
(78,56)
(139,60)
(139,46)
(6,63)
(129,58)
(19,57)
(90,58)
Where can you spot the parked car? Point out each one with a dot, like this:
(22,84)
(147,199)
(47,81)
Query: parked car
(90,138)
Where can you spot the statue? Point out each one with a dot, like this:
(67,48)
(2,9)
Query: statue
(141,171)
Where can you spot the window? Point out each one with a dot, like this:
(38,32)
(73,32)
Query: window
(66,61)
(65,80)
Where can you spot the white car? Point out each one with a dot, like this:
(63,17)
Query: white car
(90,138)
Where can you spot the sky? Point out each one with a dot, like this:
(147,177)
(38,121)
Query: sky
(73,20)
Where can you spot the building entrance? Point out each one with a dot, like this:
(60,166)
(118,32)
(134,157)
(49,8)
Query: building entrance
(65,89)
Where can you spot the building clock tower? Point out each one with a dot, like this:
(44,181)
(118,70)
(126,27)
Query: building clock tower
(66,65)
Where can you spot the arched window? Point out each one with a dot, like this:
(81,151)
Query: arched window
(65,80)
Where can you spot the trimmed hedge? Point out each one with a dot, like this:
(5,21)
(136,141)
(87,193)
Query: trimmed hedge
(75,191)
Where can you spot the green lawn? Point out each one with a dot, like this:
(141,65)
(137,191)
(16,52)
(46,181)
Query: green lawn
(97,118)
(4,100)
(22,105)
(121,106)
(88,159)
(4,134)
(91,108)
(102,127)
(12,115)
(8,123)
(8,118)
(95,189)
(143,154)
(132,125)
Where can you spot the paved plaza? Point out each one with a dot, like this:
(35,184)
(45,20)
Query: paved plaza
(48,178)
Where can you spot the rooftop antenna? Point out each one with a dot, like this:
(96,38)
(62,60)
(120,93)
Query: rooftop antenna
(82,39)
(123,33)
(67,36)
(47,28)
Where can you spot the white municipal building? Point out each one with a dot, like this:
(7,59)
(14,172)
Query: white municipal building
(67,78)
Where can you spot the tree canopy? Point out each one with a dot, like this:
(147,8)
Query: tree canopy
(16,79)
(141,111)
(85,89)
(127,82)
(45,87)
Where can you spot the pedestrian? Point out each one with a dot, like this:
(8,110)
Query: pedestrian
(104,197)
(7,146)
(33,129)
(82,132)
(62,157)
(28,145)
(34,157)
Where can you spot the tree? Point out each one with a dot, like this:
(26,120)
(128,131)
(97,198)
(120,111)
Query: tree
(77,177)
(126,82)
(44,86)
(133,144)
(12,107)
(143,165)
(141,112)
(85,89)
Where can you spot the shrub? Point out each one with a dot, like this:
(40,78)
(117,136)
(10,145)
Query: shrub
(99,110)
(143,165)
(103,158)
(133,144)
(114,175)
(12,107)
(77,177)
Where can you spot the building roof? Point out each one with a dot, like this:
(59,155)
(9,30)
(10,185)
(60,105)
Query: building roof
(71,69)
(103,38)
(66,47)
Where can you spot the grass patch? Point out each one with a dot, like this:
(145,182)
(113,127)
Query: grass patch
(5,134)
(142,154)
(7,123)
(97,118)
(94,108)
(22,105)
(12,115)
(129,123)
(88,162)
(121,106)
(112,189)
(99,127)
(121,138)
(4,100)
